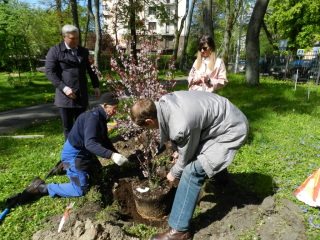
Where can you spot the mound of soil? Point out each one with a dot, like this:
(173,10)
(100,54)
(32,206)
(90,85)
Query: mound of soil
(226,212)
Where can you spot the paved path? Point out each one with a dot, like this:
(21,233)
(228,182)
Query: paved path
(22,117)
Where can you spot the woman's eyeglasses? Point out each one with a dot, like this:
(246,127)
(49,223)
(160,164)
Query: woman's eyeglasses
(203,48)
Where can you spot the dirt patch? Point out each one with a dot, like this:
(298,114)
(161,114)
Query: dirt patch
(124,196)
(225,212)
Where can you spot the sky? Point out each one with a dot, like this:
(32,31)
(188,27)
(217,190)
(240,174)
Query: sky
(31,2)
(36,2)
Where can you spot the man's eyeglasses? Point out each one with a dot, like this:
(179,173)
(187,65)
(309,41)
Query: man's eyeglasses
(203,48)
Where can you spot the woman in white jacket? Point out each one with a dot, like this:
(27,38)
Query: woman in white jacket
(208,72)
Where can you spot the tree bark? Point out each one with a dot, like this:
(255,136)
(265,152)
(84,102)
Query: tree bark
(133,29)
(207,17)
(85,35)
(230,21)
(239,40)
(178,32)
(90,11)
(74,13)
(60,19)
(97,50)
(252,42)
(175,25)
(185,44)
(269,36)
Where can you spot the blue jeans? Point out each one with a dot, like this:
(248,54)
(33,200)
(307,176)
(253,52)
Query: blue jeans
(185,200)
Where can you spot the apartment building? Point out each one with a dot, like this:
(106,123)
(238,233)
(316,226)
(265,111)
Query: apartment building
(148,13)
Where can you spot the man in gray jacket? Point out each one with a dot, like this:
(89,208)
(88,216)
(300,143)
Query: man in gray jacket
(206,130)
(66,67)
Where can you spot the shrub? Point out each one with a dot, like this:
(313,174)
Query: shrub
(138,78)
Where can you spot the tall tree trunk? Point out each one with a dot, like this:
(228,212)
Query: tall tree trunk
(207,17)
(252,42)
(60,19)
(115,30)
(90,11)
(31,62)
(239,40)
(16,58)
(74,13)
(269,36)
(230,21)
(178,32)
(97,50)
(84,40)
(185,44)
(133,29)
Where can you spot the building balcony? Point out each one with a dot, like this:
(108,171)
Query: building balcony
(171,3)
(164,33)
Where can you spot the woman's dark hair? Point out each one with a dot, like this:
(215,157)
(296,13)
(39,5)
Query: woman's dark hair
(212,57)
(207,39)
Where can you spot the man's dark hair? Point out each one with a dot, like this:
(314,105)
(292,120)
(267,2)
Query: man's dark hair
(142,110)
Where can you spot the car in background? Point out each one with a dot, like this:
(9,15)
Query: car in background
(278,68)
(265,63)
(302,69)
(314,71)
(241,66)
(313,74)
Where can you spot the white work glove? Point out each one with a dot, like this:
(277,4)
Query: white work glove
(119,159)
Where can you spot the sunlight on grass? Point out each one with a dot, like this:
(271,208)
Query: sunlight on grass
(34,88)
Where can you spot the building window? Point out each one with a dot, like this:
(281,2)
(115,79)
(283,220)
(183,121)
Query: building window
(152,10)
(105,7)
(152,25)
(167,43)
(168,1)
(167,27)
(168,11)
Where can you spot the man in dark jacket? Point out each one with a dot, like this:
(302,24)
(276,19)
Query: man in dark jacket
(66,66)
(88,137)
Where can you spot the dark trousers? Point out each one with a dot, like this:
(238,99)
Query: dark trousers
(67,117)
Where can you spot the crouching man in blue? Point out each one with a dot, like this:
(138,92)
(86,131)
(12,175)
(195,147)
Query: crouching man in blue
(87,138)
(206,130)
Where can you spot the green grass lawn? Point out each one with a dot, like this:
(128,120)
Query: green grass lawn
(281,152)
(34,88)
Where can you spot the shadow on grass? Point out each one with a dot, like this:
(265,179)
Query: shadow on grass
(218,200)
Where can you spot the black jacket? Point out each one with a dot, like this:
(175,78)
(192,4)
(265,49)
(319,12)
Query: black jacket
(90,132)
(63,70)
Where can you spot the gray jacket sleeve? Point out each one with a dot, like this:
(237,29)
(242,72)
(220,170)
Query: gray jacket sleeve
(187,143)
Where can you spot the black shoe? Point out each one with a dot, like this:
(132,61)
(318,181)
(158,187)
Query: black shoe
(33,190)
(58,169)
(13,200)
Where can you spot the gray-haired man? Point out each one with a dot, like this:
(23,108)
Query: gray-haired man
(66,67)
